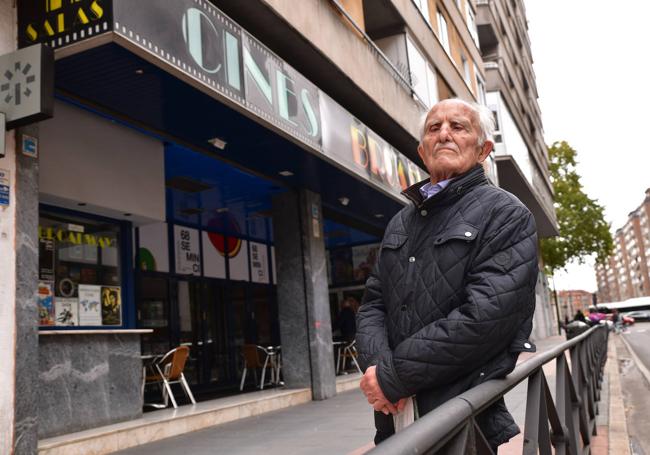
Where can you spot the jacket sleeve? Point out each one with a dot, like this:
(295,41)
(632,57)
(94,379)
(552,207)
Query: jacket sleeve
(498,297)
(371,336)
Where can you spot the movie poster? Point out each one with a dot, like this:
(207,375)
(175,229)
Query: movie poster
(66,311)
(89,305)
(46,303)
(111,306)
(46,259)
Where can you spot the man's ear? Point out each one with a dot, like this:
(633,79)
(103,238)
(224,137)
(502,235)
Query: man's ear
(421,151)
(485,150)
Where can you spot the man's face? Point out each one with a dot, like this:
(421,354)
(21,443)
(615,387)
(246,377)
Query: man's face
(449,146)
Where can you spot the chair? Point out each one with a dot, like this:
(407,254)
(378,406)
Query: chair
(168,370)
(252,359)
(348,351)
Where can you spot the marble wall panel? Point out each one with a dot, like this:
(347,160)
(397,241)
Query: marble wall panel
(86,381)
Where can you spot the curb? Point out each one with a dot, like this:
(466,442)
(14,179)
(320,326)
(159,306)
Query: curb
(644,371)
(619,439)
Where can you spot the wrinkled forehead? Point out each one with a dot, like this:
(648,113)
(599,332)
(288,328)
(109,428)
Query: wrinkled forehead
(451,109)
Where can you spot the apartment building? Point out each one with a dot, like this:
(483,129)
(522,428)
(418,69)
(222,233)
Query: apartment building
(625,274)
(520,151)
(239,161)
(572,301)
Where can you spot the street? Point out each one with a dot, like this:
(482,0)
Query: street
(635,387)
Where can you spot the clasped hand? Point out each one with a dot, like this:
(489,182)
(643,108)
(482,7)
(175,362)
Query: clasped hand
(370,388)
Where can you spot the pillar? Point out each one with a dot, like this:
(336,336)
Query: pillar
(303,297)
(18,283)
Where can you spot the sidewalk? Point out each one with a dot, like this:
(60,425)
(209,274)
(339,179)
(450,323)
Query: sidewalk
(343,425)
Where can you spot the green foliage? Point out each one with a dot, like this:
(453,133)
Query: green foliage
(583,229)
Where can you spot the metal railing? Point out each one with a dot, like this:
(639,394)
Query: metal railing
(567,424)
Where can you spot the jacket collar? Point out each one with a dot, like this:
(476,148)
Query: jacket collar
(456,188)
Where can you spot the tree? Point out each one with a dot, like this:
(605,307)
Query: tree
(583,229)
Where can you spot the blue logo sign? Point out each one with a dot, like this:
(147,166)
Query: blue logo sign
(30,146)
(4,194)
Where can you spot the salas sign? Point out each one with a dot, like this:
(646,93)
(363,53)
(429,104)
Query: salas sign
(61,22)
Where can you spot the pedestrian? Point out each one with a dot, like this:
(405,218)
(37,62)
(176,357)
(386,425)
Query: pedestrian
(451,301)
(616,319)
(347,322)
(580,316)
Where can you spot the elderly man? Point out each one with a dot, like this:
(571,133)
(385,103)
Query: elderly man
(451,301)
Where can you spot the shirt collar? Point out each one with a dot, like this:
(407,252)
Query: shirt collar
(429,189)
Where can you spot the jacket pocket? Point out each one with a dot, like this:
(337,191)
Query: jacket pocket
(394,241)
(462,231)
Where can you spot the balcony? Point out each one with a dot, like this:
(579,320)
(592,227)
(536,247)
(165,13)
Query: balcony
(321,40)
(518,171)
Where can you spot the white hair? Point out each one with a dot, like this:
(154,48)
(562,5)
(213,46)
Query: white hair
(483,115)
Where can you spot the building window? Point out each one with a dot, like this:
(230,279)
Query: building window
(471,23)
(423,76)
(443,33)
(423,6)
(79,271)
(466,74)
(480,87)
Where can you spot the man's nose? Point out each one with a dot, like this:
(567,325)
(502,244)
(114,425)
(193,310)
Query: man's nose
(445,133)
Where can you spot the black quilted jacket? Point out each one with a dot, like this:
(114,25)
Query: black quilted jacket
(451,301)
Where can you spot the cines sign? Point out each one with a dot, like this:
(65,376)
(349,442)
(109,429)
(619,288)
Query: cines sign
(198,40)
(202,42)
(60,22)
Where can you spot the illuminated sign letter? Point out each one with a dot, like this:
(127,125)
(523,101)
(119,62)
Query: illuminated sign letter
(232,61)
(284,92)
(359,146)
(258,76)
(309,111)
(195,22)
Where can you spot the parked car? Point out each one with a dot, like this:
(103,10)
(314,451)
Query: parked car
(638,315)
(627,320)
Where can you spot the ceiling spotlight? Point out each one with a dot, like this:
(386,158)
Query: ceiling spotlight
(139,71)
(222,210)
(379,215)
(218,143)
(344,201)
(285,173)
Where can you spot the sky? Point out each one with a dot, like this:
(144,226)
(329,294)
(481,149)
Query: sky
(591,67)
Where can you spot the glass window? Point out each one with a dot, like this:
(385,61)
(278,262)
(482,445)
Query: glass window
(443,33)
(423,6)
(466,73)
(423,77)
(471,23)
(79,271)
(480,87)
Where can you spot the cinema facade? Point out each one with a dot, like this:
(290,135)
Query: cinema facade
(195,189)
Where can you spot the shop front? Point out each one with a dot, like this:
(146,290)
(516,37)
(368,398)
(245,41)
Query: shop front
(195,191)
